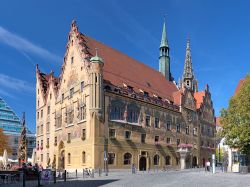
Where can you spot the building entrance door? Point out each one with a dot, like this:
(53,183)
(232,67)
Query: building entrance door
(62,160)
(143,164)
(194,161)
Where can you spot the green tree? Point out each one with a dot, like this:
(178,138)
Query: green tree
(236,119)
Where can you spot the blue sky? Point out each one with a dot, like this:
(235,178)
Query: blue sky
(35,32)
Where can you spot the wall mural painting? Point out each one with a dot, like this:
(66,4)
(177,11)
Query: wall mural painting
(72,78)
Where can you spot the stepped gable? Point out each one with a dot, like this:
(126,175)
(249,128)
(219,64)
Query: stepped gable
(199,98)
(46,80)
(120,69)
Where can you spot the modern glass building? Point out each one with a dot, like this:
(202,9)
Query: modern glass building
(11,125)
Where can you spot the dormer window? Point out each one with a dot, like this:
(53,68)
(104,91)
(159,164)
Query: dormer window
(130,88)
(146,94)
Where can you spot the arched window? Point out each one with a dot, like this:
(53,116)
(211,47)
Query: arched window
(127,158)
(69,158)
(156,160)
(168,160)
(83,157)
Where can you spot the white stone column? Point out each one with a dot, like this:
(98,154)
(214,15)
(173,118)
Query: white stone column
(183,155)
(229,168)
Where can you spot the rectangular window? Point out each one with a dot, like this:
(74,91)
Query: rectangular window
(47,145)
(37,115)
(83,134)
(82,112)
(58,120)
(111,158)
(47,126)
(70,115)
(71,92)
(72,60)
(69,137)
(187,129)
(38,130)
(168,140)
(41,129)
(111,133)
(143,138)
(41,157)
(127,135)
(62,97)
(48,110)
(156,122)
(47,157)
(178,141)
(41,113)
(82,85)
(157,139)
(147,120)
(55,143)
(41,143)
(195,131)
(178,127)
(168,125)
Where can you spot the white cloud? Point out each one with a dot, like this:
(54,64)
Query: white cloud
(15,84)
(2,92)
(25,46)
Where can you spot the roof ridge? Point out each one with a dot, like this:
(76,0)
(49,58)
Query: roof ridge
(146,65)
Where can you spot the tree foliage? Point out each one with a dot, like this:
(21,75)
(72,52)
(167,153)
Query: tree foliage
(4,143)
(236,119)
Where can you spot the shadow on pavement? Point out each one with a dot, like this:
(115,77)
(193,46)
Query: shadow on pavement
(88,183)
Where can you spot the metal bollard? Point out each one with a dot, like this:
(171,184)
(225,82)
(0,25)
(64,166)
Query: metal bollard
(38,178)
(24,178)
(54,176)
(100,171)
(65,175)
(76,173)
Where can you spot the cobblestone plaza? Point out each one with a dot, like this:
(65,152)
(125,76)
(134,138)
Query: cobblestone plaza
(184,178)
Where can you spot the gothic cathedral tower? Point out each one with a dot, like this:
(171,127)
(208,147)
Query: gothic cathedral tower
(188,79)
(164,59)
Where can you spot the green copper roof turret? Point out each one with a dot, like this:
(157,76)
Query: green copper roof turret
(96,58)
(164,41)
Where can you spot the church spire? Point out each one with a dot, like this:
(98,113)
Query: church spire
(188,69)
(164,59)
(188,78)
(164,40)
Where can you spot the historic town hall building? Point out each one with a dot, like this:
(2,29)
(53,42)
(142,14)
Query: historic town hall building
(109,110)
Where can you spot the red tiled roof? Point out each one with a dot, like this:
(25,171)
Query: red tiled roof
(177,97)
(239,86)
(199,98)
(120,68)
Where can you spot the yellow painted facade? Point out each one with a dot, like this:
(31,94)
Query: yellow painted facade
(75,128)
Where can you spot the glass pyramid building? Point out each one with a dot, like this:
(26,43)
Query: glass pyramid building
(11,125)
